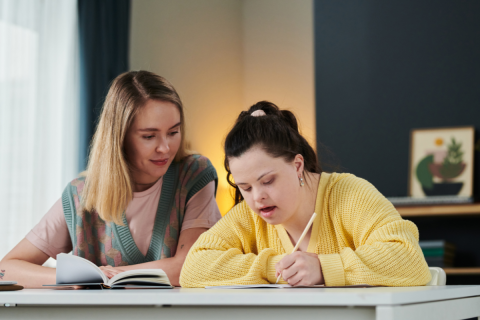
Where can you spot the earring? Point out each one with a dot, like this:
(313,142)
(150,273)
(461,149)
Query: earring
(301,181)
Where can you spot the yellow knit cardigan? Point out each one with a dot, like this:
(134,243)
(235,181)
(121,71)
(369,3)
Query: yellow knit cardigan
(358,235)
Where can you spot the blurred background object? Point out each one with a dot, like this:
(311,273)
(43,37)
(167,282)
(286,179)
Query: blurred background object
(438,253)
(39,110)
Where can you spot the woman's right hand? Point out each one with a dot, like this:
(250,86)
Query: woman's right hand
(107,271)
(300,269)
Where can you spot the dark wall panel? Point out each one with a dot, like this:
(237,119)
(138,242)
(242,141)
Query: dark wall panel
(385,67)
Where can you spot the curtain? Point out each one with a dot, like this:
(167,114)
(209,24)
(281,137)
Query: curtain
(38,110)
(104,33)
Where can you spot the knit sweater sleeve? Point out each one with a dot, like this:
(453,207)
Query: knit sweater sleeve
(227,254)
(379,247)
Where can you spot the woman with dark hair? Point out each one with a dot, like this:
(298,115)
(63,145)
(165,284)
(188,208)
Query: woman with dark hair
(357,236)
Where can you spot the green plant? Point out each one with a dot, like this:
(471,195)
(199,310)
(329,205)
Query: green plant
(452,164)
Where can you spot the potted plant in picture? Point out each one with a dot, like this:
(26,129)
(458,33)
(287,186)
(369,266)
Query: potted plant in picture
(442,162)
(446,169)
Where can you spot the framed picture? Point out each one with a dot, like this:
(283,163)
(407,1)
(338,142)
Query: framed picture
(441,162)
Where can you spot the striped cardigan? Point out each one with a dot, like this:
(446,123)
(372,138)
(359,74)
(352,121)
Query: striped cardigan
(105,243)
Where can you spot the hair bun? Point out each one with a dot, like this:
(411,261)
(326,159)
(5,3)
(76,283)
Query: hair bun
(242,115)
(272,110)
(266,106)
(289,117)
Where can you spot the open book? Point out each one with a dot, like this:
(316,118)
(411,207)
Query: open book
(76,271)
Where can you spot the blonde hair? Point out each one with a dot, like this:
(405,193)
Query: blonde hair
(108,185)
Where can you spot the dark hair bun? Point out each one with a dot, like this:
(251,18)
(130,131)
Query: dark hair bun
(271,109)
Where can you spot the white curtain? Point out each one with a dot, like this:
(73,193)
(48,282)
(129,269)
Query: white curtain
(38,110)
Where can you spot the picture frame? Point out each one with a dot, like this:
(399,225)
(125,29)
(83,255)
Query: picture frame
(441,162)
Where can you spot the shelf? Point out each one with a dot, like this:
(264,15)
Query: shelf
(462,271)
(439,210)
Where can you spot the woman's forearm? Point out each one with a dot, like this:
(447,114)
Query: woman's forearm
(27,274)
(24,265)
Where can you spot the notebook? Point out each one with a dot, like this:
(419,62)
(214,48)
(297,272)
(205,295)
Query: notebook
(282,286)
(9,286)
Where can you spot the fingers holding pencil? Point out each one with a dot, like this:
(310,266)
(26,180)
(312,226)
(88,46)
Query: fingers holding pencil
(301,269)
(300,265)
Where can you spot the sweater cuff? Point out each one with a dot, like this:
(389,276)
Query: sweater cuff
(272,260)
(332,268)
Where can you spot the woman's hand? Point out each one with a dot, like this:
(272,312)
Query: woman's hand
(300,269)
(172,266)
(110,271)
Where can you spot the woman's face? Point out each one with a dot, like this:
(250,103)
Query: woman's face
(270,186)
(152,141)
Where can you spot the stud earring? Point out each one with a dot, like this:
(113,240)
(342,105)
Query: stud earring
(301,181)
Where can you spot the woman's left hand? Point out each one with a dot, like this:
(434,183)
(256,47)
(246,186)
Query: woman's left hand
(110,271)
(300,269)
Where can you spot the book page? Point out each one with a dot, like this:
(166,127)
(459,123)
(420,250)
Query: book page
(76,270)
(280,286)
(145,276)
(136,286)
(250,286)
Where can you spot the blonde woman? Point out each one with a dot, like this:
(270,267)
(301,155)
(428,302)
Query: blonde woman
(143,201)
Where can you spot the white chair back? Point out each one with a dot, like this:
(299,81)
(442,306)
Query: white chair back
(439,277)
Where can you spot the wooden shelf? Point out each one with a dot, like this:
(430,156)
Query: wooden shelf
(445,210)
(462,271)
(439,210)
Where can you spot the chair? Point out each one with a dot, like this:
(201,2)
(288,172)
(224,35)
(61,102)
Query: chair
(439,277)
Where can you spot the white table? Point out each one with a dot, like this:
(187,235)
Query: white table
(442,302)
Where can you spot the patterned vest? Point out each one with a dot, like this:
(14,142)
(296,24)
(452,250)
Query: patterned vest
(105,243)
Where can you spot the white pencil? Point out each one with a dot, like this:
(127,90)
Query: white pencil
(301,238)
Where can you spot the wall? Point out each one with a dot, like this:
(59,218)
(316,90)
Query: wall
(386,67)
(224,55)
(197,46)
(278,57)
(383,68)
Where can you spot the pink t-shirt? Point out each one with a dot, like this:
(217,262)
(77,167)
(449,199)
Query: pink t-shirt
(52,237)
